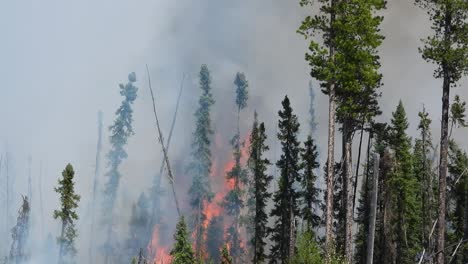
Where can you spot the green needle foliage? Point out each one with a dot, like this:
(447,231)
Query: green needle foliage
(182,252)
(67,215)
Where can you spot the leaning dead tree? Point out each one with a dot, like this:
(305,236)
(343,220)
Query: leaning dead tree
(161,141)
(19,234)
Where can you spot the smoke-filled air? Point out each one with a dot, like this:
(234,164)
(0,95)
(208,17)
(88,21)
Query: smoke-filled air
(232,132)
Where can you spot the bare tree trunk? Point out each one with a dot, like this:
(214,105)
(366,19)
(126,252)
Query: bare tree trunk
(357,168)
(373,211)
(60,260)
(443,171)
(348,186)
(97,170)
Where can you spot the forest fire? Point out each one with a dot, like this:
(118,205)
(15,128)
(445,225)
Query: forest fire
(159,253)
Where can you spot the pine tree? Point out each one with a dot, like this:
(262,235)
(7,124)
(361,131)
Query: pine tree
(458,201)
(225,257)
(285,199)
(309,193)
(457,114)
(20,234)
(67,215)
(426,177)
(214,238)
(448,49)
(312,121)
(182,252)
(200,167)
(258,165)
(404,189)
(233,202)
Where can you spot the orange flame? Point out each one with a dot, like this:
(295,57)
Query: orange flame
(159,252)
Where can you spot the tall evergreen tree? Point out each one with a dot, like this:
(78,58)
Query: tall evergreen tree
(182,252)
(233,202)
(448,49)
(422,153)
(200,167)
(20,235)
(309,193)
(67,215)
(312,121)
(285,199)
(120,131)
(258,165)
(404,190)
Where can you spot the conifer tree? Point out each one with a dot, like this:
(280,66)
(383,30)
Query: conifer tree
(423,172)
(120,132)
(225,257)
(258,165)
(233,202)
(309,193)
(200,165)
(404,190)
(312,121)
(214,238)
(67,215)
(448,49)
(457,114)
(286,209)
(458,201)
(182,252)
(20,234)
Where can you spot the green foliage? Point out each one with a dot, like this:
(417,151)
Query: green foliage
(67,214)
(285,199)
(182,252)
(448,47)
(309,193)
(308,252)
(404,189)
(242,94)
(225,257)
(120,131)
(200,165)
(457,111)
(260,182)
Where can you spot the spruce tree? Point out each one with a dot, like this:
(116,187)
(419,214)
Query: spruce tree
(309,193)
(67,215)
(138,227)
(404,188)
(182,252)
(200,166)
(448,49)
(286,209)
(258,166)
(312,121)
(233,202)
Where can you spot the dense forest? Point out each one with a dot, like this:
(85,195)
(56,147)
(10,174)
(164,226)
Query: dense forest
(269,193)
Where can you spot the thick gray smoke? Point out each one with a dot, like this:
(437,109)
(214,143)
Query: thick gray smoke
(61,62)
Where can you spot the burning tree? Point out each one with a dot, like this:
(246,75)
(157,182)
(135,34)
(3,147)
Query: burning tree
(67,215)
(233,202)
(225,257)
(200,167)
(286,197)
(20,233)
(138,226)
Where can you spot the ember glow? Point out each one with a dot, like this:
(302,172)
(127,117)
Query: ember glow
(156,251)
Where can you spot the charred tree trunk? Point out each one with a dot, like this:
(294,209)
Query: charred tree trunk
(440,245)
(373,212)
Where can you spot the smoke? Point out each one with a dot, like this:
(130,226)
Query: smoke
(62,62)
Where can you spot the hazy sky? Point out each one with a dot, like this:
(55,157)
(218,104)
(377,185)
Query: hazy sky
(61,62)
